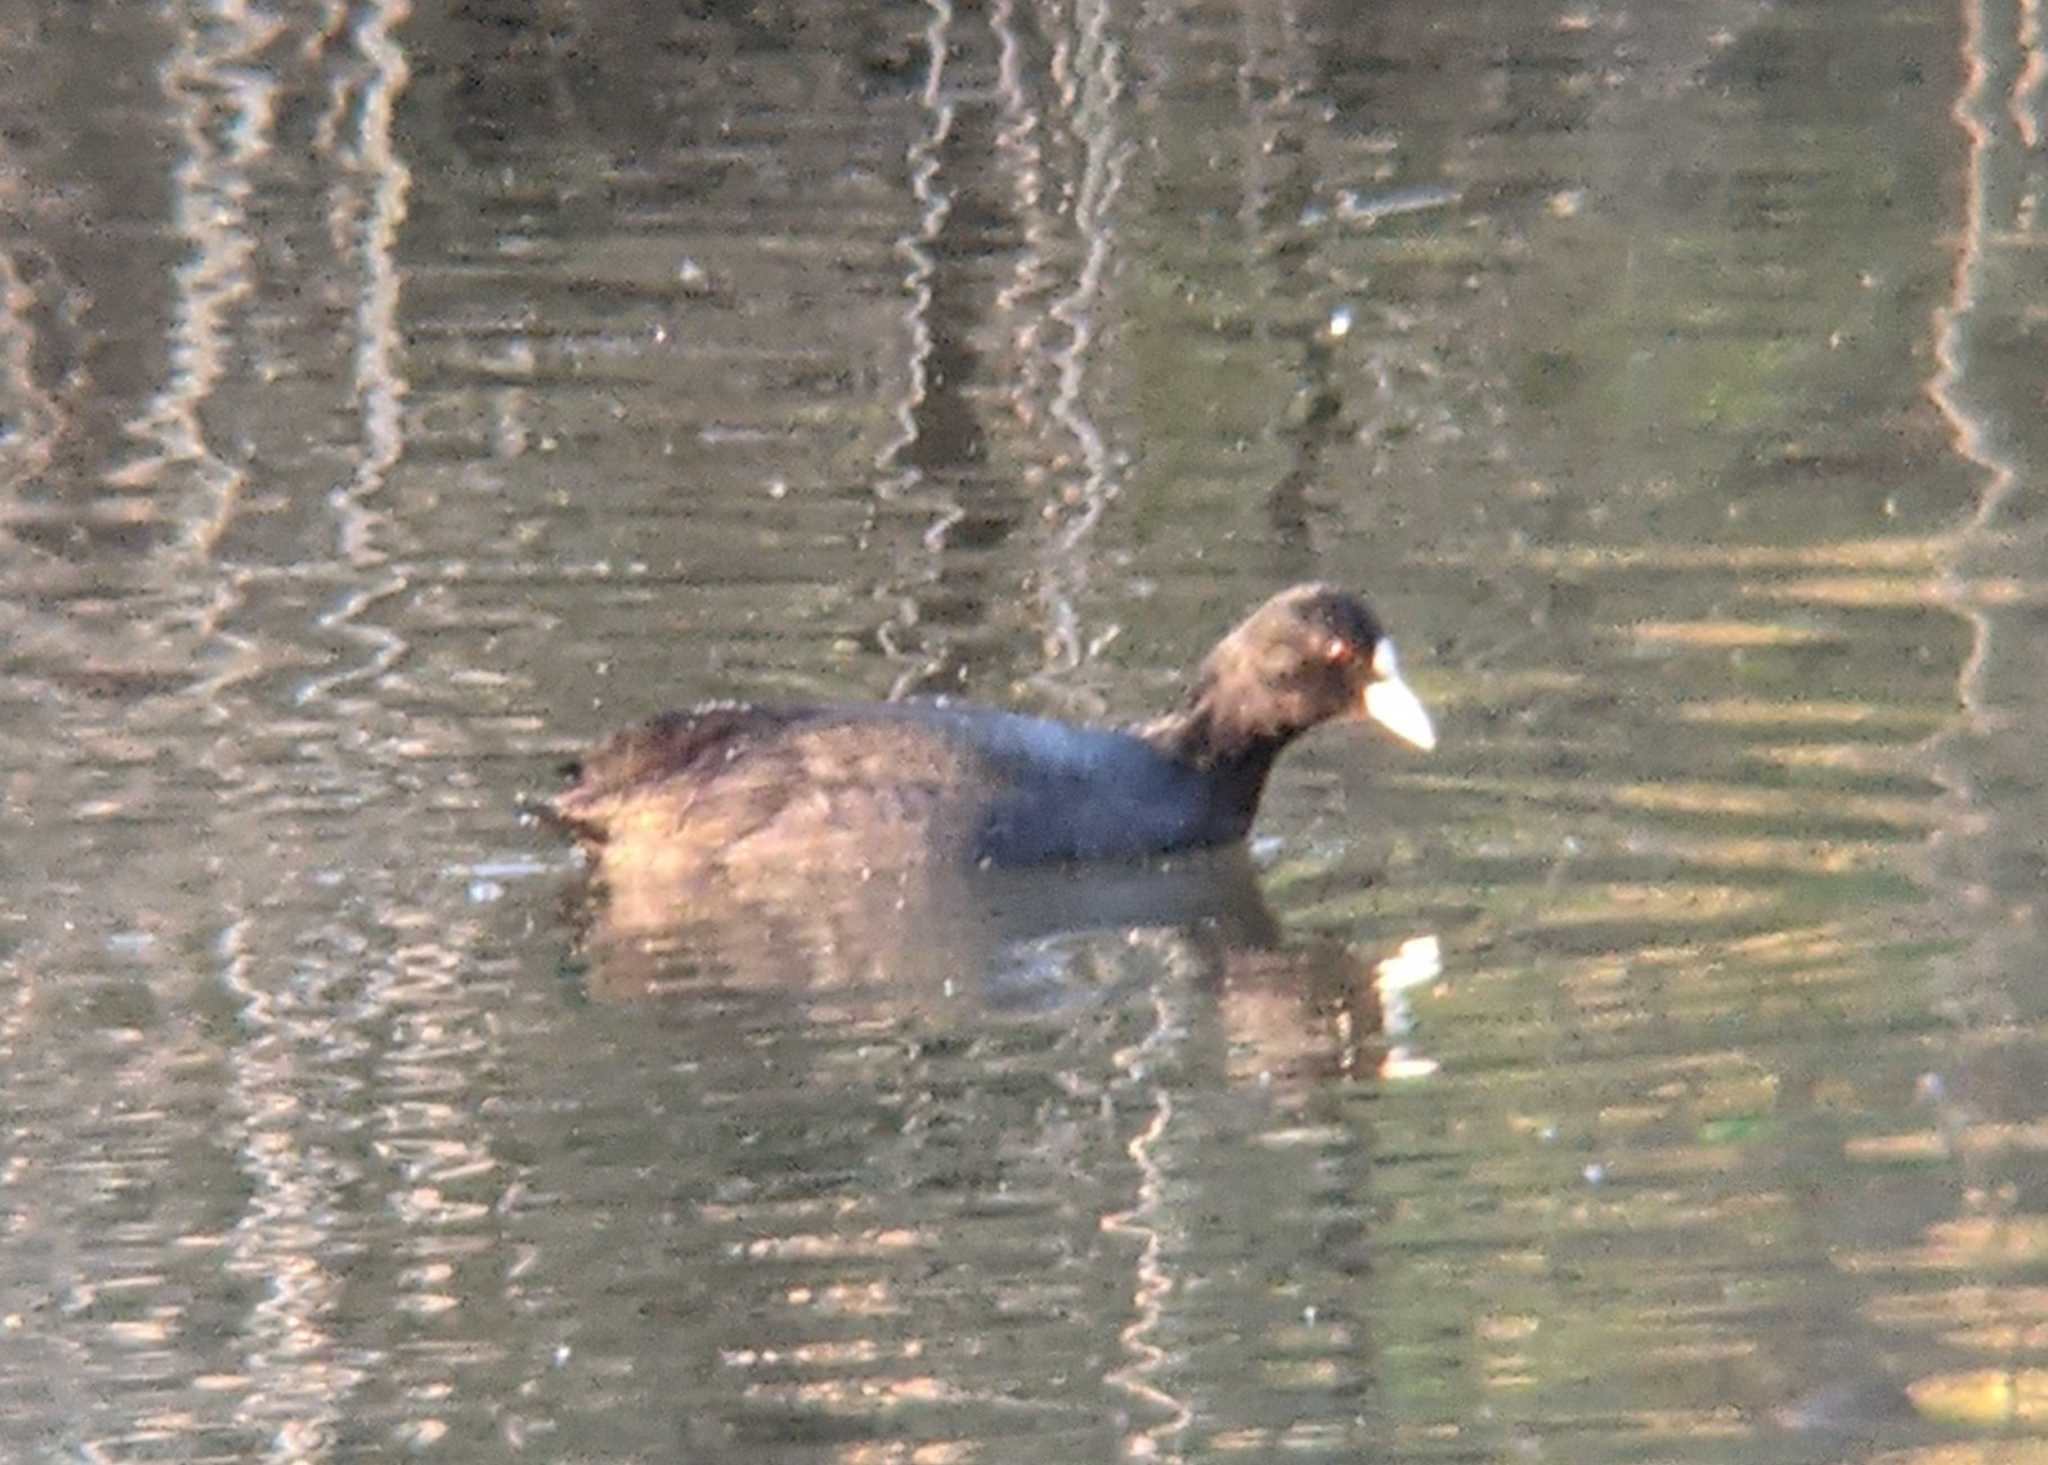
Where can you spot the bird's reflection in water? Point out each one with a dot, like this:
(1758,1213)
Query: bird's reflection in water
(951,947)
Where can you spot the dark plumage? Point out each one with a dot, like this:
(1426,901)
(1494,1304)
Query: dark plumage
(738,787)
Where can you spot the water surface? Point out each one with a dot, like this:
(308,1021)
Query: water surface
(392,402)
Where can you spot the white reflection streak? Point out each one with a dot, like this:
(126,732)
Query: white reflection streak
(1092,91)
(1142,1220)
(1962,861)
(295,1385)
(223,105)
(1416,963)
(934,204)
(1102,174)
(1017,145)
(380,385)
(368,229)
(1972,433)
(224,110)
(2030,90)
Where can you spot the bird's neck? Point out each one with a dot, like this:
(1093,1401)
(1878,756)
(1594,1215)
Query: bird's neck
(1205,736)
(1233,759)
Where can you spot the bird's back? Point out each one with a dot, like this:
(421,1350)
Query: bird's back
(883,784)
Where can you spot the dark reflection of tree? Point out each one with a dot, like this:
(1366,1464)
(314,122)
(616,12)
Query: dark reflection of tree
(1026,1105)
(1286,171)
(939,481)
(1016,178)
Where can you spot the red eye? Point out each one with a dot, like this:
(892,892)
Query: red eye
(1337,650)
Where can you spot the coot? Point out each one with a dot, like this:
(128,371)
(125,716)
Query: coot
(852,785)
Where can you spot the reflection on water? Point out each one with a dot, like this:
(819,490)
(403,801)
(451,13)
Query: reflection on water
(927,944)
(391,400)
(1013,1087)
(906,928)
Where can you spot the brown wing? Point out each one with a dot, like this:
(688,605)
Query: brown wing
(746,787)
(628,763)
